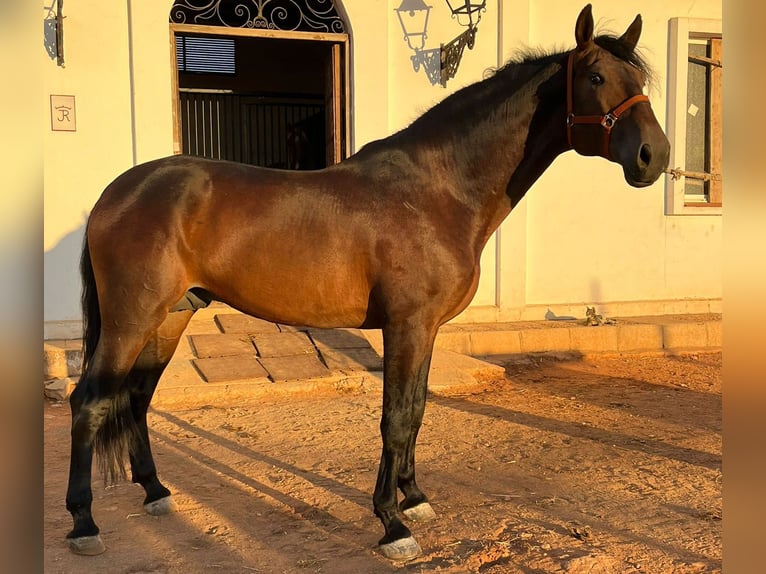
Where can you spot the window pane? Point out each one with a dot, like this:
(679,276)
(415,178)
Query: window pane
(697,122)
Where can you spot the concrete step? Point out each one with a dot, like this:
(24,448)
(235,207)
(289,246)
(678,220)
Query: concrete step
(668,333)
(62,358)
(62,362)
(181,381)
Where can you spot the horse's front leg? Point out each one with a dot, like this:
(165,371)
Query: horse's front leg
(415,505)
(406,361)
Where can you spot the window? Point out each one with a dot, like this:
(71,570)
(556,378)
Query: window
(205,55)
(695,113)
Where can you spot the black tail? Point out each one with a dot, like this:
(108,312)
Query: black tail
(91,313)
(118,432)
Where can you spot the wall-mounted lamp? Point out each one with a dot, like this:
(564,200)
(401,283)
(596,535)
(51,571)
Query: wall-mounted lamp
(440,64)
(465,9)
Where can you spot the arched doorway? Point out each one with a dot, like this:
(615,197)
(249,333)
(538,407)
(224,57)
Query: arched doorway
(263,82)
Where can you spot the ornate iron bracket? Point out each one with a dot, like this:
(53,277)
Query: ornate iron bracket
(441,64)
(452,53)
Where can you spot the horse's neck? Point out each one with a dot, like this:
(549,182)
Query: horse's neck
(545,133)
(487,144)
(519,133)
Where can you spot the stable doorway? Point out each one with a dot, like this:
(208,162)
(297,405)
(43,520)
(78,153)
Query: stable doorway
(273,99)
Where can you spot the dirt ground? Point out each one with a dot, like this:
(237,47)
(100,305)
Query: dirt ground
(599,465)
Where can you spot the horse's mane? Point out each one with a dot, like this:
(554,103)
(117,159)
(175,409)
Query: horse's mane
(609,42)
(612,44)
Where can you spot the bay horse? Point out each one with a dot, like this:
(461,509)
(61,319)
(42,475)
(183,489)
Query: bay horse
(389,239)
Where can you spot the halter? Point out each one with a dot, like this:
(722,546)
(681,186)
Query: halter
(607,120)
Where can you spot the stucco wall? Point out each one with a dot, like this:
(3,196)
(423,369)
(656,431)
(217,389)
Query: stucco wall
(78,165)
(582,235)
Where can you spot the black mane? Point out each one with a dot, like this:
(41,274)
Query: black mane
(609,42)
(617,48)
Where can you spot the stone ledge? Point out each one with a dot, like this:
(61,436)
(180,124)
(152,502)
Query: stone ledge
(662,334)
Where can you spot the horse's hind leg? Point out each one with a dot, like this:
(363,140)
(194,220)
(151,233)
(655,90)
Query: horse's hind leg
(143,381)
(100,412)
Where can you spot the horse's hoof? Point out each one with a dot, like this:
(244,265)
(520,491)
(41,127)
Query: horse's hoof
(87,545)
(422,512)
(402,549)
(161,506)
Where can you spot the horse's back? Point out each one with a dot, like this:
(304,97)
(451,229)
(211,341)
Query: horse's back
(272,243)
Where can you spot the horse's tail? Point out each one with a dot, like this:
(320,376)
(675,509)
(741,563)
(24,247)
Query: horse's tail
(118,433)
(91,313)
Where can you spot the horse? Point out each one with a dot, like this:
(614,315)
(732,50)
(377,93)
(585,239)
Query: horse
(390,238)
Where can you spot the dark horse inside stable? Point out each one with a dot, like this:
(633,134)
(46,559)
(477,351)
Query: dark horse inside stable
(389,239)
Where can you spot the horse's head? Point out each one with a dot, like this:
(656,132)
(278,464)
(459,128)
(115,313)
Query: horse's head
(607,113)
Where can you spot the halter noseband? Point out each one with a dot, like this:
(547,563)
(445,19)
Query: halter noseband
(607,120)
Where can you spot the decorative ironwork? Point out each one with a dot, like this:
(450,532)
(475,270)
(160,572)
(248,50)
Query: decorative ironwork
(439,64)
(284,15)
(452,52)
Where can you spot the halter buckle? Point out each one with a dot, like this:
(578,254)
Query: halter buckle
(608,121)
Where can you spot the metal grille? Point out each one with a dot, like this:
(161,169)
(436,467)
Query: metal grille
(278,133)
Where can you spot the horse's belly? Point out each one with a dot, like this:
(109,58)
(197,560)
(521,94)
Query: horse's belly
(285,291)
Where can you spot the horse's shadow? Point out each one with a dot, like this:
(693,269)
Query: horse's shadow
(259,522)
(338,488)
(582,431)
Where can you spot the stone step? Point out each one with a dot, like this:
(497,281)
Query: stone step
(350,353)
(62,358)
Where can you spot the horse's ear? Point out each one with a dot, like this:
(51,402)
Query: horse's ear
(584,28)
(632,34)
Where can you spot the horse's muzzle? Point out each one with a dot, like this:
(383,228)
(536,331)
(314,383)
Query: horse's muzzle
(651,161)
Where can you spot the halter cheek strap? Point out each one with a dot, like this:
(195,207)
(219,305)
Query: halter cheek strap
(607,120)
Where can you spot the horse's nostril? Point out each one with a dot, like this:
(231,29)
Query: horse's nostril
(645,155)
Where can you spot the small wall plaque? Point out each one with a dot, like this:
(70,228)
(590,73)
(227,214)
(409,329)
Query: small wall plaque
(63,115)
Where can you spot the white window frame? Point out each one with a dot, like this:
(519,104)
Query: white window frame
(681,31)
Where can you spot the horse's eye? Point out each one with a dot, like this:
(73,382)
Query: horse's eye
(596,79)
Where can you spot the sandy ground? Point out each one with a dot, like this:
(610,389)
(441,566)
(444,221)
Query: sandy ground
(608,465)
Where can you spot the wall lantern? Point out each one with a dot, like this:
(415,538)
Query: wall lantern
(440,64)
(462,9)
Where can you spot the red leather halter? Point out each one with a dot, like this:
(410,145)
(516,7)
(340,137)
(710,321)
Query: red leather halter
(607,120)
